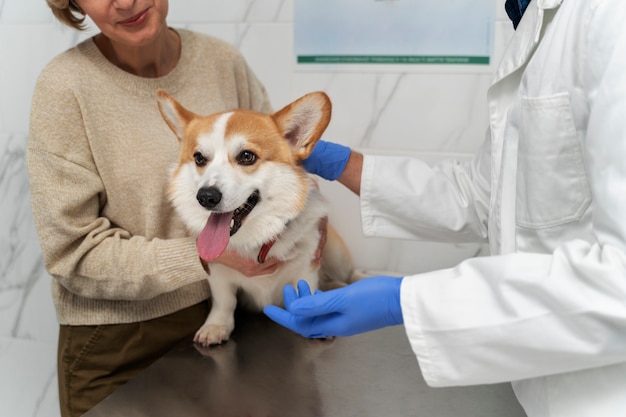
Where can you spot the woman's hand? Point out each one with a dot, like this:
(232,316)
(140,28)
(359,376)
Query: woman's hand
(246,266)
(252,268)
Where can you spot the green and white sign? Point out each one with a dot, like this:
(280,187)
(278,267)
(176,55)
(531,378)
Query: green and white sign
(409,32)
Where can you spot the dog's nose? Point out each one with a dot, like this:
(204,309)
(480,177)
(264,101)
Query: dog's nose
(209,197)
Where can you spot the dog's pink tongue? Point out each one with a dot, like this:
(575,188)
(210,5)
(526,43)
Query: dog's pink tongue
(214,237)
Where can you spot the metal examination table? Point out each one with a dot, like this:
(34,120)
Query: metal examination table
(268,371)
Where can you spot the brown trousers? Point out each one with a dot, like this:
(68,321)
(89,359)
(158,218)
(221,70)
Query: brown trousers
(95,360)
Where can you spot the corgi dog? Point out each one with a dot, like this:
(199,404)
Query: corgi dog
(239,185)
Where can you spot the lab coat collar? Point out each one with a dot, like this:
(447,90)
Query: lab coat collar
(548,4)
(526,37)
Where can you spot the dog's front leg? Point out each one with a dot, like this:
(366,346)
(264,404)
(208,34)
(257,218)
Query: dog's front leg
(221,320)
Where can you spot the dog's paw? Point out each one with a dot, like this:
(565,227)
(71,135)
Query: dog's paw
(212,334)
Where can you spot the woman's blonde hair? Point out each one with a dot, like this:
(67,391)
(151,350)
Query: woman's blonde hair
(68,13)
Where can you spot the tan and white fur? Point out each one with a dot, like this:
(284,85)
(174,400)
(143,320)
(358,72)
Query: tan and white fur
(236,160)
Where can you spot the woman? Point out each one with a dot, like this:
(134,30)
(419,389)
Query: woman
(547,190)
(128,284)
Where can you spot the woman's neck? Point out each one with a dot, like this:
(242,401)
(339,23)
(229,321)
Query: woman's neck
(152,61)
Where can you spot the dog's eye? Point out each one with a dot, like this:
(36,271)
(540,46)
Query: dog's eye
(246,158)
(199,159)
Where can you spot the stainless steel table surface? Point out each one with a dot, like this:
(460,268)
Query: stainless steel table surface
(266,370)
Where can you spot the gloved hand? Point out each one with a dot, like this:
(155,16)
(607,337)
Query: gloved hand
(328,160)
(368,304)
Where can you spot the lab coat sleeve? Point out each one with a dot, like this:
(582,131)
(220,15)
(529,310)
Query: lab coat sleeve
(525,315)
(403,197)
(518,316)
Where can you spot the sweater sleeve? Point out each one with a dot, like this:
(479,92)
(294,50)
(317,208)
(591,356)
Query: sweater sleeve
(83,250)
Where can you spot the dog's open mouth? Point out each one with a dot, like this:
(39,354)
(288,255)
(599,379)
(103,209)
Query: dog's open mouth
(213,239)
(242,211)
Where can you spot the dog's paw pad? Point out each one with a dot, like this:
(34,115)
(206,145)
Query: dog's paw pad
(212,334)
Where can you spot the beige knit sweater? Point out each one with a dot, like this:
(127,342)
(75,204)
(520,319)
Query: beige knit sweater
(99,159)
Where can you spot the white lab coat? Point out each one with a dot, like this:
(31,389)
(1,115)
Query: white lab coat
(548,192)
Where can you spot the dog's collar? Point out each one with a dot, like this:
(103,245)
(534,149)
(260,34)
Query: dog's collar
(262,256)
(264,250)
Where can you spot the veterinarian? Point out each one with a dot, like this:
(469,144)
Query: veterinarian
(547,191)
(128,284)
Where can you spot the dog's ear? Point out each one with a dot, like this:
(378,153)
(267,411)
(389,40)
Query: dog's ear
(175,115)
(303,122)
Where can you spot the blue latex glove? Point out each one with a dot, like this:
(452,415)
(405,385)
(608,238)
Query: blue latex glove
(328,160)
(368,304)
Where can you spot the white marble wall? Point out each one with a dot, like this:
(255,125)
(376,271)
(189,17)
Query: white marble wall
(432,113)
